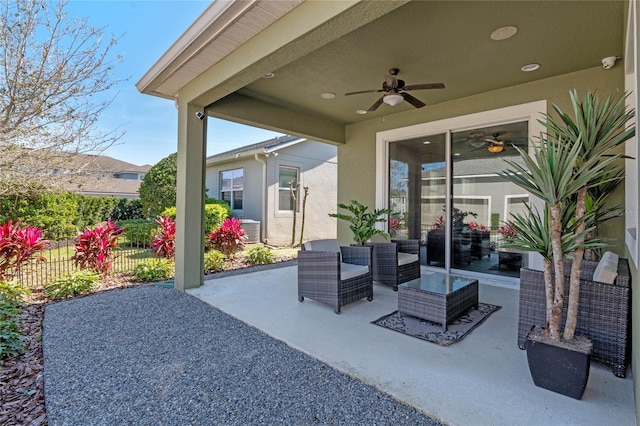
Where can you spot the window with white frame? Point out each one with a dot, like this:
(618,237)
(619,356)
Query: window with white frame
(231,187)
(287,174)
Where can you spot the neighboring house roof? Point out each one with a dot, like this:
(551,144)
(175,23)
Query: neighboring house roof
(90,163)
(103,186)
(84,173)
(264,147)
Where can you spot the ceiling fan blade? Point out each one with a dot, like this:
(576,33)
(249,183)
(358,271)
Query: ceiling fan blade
(376,104)
(363,91)
(424,86)
(413,101)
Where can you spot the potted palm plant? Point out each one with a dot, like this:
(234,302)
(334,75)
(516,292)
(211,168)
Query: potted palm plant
(573,156)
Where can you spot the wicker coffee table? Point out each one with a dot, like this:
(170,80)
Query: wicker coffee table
(438,297)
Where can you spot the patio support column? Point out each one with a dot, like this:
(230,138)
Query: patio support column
(190,198)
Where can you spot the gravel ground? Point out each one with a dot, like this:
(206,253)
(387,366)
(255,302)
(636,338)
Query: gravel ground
(149,355)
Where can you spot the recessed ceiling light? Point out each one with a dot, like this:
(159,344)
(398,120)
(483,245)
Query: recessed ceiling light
(269,75)
(504,33)
(426,142)
(530,67)
(327,95)
(457,154)
(361,111)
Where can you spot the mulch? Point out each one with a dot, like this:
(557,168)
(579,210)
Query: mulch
(22,377)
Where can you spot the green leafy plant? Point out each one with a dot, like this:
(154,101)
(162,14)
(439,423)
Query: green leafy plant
(258,255)
(11,305)
(158,188)
(137,232)
(95,247)
(71,284)
(214,261)
(153,270)
(228,238)
(362,222)
(215,212)
(164,242)
(19,245)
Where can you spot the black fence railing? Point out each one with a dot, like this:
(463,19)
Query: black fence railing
(134,248)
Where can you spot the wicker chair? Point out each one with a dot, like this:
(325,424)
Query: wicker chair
(603,313)
(324,277)
(396,262)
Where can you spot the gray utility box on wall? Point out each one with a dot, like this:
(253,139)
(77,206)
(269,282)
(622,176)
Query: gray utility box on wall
(251,230)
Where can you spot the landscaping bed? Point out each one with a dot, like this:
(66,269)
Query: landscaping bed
(22,377)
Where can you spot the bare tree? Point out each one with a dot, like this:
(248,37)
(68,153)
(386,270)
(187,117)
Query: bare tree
(55,81)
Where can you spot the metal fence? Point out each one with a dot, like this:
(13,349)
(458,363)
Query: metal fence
(58,260)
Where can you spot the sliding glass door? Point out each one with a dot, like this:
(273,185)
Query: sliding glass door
(462,167)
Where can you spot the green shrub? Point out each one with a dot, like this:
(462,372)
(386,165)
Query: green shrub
(11,304)
(127,210)
(153,270)
(71,284)
(137,232)
(158,188)
(258,255)
(213,261)
(214,214)
(93,210)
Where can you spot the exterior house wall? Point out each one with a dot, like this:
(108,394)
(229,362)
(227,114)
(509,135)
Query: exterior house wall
(253,184)
(317,165)
(356,166)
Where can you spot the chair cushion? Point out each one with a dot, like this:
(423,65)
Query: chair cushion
(330,246)
(607,269)
(407,258)
(350,270)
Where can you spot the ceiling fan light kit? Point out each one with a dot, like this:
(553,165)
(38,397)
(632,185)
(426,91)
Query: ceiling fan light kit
(494,149)
(393,99)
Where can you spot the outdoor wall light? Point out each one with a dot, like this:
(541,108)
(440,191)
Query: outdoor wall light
(393,99)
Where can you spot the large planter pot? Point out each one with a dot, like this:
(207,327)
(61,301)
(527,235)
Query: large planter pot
(560,368)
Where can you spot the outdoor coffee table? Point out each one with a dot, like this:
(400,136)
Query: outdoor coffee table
(438,297)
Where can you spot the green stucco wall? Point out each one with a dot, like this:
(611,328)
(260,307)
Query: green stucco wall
(356,159)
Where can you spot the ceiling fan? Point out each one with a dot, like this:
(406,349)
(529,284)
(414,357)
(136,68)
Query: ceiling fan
(396,91)
(494,145)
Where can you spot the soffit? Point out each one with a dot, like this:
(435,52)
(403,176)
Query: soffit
(429,41)
(448,42)
(221,29)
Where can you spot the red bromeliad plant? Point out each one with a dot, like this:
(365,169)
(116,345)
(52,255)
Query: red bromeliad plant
(228,238)
(19,245)
(164,242)
(94,247)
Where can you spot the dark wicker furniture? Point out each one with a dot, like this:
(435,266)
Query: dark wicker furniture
(436,248)
(480,244)
(321,276)
(396,262)
(438,297)
(603,314)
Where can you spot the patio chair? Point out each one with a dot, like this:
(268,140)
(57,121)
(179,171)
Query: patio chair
(334,275)
(395,261)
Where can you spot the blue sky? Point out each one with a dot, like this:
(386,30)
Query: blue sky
(147,29)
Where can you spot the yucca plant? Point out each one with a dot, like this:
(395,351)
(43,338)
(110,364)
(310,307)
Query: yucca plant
(568,160)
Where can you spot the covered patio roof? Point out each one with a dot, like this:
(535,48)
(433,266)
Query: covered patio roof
(314,47)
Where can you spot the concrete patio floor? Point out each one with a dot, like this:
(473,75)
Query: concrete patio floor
(481,380)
